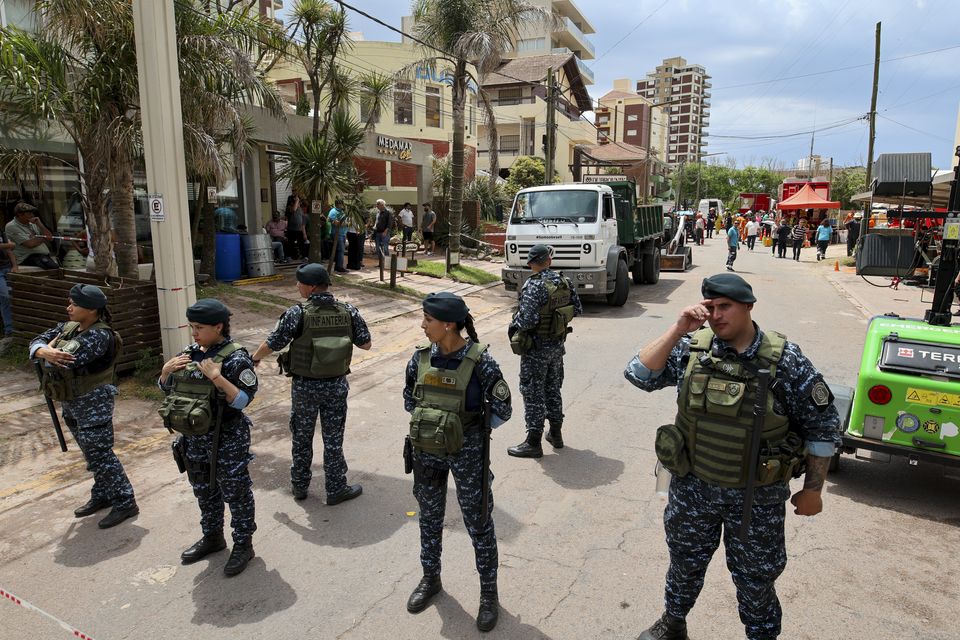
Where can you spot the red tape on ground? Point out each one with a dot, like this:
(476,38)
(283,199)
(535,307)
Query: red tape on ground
(76,633)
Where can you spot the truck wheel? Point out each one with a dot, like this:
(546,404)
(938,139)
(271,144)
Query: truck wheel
(651,268)
(637,271)
(621,288)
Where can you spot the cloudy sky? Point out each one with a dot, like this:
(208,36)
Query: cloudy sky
(752,48)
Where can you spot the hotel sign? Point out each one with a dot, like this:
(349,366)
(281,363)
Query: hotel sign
(403,149)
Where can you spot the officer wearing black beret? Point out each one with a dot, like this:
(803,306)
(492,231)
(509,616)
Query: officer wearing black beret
(322,333)
(721,372)
(538,331)
(80,358)
(447,385)
(208,385)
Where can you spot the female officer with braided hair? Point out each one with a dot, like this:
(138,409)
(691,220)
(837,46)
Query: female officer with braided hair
(447,384)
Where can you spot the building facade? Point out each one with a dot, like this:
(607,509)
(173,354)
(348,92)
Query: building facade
(683,90)
(570,36)
(518,92)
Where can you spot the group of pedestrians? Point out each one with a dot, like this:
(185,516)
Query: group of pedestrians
(785,233)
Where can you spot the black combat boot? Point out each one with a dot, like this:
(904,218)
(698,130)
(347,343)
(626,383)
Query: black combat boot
(489,610)
(666,628)
(116,516)
(554,436)
(299,493)
(204,547)
(529,448)
(91,507)
(239,557)
(429,586)
(349,492)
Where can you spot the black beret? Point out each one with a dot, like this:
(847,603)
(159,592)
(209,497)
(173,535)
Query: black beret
(446,307)
(208,311)
(313,274)
(539,253)
(728,285)
(88,296)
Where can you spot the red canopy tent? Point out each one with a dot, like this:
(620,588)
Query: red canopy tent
(807,198)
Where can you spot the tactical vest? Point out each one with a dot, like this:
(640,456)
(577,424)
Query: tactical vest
(711,438)
(557,313)
(324,347)
(440,418)
(191,406)
(60,383)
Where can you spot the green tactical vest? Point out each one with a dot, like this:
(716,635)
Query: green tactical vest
(557,313)
(324,347)
(711,438)
(440,417)
(69,384)
(190,408)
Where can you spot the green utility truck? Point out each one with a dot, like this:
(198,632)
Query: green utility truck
(600,236)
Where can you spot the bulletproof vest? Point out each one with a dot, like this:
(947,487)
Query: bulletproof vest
(68,384)
(557,313)
(440,418)
(191,406)
(324,347)
(715,417)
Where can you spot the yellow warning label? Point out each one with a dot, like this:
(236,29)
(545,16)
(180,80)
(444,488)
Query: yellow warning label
(933,398)
(952,231)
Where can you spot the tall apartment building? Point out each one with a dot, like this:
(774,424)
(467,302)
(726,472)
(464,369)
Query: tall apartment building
(569,37)
(683,91)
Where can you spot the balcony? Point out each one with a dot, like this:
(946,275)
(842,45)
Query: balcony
(585,71)
(570,36)
(569,8)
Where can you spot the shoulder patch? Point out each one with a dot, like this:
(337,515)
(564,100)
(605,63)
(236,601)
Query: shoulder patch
(501,391)
(820,394)
(248,377)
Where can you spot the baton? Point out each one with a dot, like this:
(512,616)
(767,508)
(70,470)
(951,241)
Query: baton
(759,414)
(51,409)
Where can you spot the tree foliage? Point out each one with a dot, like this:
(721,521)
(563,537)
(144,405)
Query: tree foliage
(527,171)
(846,184)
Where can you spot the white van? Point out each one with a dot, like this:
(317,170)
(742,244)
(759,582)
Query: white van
(710,203)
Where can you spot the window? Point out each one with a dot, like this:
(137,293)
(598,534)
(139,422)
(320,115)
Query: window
(366,103)
(632,118)
(531,44)
(631,132)
(510,144)
(509,96)
(604,119)
(403,103)
(433,107)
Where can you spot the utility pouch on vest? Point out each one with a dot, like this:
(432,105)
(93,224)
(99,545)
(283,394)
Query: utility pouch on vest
(521,342)
(53,385)
(783,462)
(189,415)
(562,318)
(671,450)
(329,352)
(435,431)
(723,397)
(432,477)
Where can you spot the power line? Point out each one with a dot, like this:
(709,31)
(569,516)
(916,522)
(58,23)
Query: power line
(790,135)
(905,126)
(629,33)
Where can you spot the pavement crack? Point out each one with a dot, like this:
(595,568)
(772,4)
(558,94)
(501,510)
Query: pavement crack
(360,619)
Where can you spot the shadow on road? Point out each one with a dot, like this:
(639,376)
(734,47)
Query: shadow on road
(84,544)
(923,491)
(458,624)
(251,597)
(580,468)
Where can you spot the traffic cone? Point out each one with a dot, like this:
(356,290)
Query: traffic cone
(836,266)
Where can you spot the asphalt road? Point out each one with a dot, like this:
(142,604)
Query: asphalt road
(581,540)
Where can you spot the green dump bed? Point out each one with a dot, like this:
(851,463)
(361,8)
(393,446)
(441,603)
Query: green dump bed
(635,223)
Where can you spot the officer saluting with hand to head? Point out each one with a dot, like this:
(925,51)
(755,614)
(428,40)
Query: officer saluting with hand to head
(738,387)
(454,393)
(207,387)
(322,334)
(79,361)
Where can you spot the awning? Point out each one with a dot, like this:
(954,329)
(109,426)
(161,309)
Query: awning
(939,197)
(807,198)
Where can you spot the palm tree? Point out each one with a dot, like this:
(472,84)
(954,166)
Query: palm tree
(465,33)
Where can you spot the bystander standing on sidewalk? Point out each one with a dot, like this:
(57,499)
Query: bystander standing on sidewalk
(698,229)
(712,222)
(752,228)
(406,221)
(783,237)
(853,232)
(824,235)
(428,221)
(733,243)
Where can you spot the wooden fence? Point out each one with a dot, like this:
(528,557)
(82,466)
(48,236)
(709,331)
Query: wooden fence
(40,299)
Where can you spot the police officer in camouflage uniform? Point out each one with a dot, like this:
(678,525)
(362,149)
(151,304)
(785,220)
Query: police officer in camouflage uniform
(321,333)
(717,372)
(448,384)
(548,301)
(79,361)
(214,377)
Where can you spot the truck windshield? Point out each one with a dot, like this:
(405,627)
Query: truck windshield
(541,206)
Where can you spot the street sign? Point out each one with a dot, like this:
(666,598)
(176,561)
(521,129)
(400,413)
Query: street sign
(211,194)
(316,206)
(157,214)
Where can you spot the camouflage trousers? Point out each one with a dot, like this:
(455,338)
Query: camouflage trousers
(694,519)
(110,481)
(234,486)
(467,469)
(541,377)
(328,398)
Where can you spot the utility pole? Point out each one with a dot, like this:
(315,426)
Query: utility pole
(873,108)
(551,135)
(810,159)
(647,165)
(158,70)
